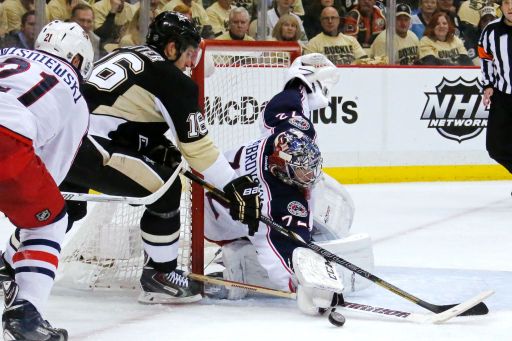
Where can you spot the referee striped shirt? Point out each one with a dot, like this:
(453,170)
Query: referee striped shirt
(495,51)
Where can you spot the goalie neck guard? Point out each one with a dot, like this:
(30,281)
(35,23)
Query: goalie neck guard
(296,159)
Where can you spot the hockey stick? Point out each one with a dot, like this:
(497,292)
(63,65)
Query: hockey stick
(147,200)
(478,309)
(364,308)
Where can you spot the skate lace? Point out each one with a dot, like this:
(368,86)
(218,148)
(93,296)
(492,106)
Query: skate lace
(177,278)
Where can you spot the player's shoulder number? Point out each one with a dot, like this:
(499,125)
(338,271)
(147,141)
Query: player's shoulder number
(110,72)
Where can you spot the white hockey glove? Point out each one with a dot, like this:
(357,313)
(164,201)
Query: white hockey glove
(318,74)
(319,286)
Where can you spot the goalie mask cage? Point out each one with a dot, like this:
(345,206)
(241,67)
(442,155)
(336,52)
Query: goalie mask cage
(236,80)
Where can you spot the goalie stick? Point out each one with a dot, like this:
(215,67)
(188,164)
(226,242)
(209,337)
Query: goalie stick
(364,308)
(479,308)
(147,200)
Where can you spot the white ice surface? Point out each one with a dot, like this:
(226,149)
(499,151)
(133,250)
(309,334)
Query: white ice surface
(442,242)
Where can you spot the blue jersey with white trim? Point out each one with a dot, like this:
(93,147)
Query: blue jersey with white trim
(285,204)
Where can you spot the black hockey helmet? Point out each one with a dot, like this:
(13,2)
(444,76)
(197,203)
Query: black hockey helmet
(172,26)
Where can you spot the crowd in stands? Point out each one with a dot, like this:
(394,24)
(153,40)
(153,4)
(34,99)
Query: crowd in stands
(427,32)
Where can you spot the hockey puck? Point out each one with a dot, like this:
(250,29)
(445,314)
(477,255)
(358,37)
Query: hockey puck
(336,318)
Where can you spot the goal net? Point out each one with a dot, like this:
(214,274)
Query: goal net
(236,80)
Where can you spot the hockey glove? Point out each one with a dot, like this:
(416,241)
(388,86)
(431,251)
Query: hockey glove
(165,154)
(245,206)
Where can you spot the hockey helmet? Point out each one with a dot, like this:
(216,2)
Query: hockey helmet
(296,159)
(67,40)
(172,26)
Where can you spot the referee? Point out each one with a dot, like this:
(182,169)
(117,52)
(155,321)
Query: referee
(495,52)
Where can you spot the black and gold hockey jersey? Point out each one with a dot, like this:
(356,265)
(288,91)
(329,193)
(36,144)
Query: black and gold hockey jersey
(135,95)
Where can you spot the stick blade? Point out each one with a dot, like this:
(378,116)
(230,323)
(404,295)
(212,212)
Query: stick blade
(474,306)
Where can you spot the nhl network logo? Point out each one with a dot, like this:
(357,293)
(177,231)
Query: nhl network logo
(455,110)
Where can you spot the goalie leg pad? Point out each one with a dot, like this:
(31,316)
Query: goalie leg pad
(318,281)
(241,265)
(357,249)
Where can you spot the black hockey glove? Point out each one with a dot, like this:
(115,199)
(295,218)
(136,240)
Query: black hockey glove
(245,205)
(165,154)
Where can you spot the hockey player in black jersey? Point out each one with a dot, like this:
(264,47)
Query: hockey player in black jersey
(135,95)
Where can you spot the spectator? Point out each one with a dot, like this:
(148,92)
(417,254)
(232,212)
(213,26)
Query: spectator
(26,36)
(440,45)
(465,31)
(420,20)
(238,25)
(61,9)
(286,29)
(469,13)
(14,10)
(281,7)
(110,17)
(218,13)
(132,35)
(406,44)
(338,47)
(183,9)
(487,14)
(312,17)
(3,21)
(83,15)
(199,16)
(447,6)
(365,22)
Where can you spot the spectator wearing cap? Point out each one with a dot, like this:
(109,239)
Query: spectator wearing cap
(239,20)
(422,18)
(338,47)
(494,49)
(468,13)
(406,44)
(365,22)
(440,45)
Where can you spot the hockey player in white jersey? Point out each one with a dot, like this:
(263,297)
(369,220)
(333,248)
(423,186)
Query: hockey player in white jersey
(43,118)
(287,163)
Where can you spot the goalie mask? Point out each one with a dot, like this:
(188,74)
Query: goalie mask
(318,74)
(296,159)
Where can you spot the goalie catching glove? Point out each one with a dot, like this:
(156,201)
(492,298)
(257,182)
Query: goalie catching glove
(245,205)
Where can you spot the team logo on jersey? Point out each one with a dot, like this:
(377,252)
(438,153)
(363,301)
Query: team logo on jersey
(43,215)
(297,209)
(455,109)
(299,122)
